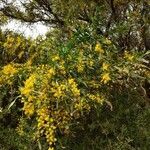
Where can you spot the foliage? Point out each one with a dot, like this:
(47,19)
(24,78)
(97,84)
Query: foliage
(86,85)
(125,22)
(59,87)
(15,48)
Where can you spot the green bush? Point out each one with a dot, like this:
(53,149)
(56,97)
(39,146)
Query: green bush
(82,94)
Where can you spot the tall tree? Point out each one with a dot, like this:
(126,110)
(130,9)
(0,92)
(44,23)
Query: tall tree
(125,22)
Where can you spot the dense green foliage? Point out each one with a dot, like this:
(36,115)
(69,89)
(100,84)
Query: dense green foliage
(85,86)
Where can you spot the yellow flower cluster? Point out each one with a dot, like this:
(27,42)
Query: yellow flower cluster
(80,65)
(73,87)
(28,85)
(58,90)
(55,58)
(46,125)
(28,109)
(96,98)
(9,69)
(98,48)
(50,134)
(82,104)
(50,72)
(7,74)
(43,117)
(105,77)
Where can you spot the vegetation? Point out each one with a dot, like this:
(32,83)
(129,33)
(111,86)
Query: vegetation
(85,85)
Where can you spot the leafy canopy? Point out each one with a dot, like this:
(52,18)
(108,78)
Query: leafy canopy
(84,76)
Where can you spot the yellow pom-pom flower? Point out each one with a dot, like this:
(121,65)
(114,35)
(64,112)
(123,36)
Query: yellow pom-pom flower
(105,78)
(98,48)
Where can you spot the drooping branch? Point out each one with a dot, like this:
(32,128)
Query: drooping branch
(40,11)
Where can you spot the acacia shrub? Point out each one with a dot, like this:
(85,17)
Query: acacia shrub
(64,91)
